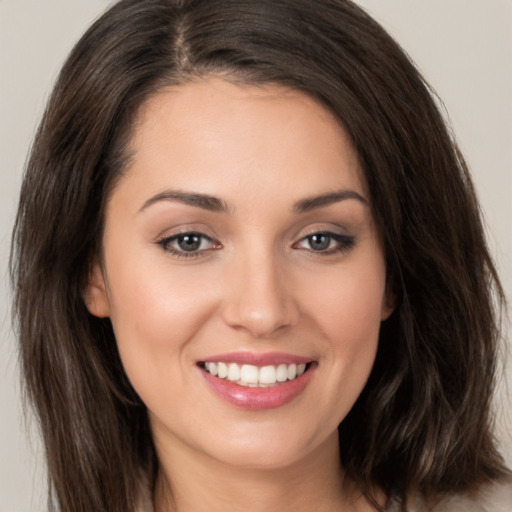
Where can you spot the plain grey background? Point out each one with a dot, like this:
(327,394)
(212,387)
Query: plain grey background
(464,48)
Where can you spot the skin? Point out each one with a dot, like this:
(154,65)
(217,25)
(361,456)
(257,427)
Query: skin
(255,284)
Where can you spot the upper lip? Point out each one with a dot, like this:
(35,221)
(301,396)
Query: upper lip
(257,359)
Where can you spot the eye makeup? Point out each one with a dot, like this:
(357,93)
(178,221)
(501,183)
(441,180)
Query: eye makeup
(193,244)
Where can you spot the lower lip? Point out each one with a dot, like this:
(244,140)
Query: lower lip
(258,398)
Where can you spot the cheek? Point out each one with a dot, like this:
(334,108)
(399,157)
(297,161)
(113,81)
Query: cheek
(347,310)
(348,304)
(155,311)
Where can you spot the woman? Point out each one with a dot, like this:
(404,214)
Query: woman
(250,268)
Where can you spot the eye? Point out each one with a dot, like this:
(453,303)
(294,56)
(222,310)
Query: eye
(187,244)
(325,242)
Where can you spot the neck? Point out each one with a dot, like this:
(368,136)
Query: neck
(190,483)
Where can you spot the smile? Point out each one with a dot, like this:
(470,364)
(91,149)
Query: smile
(253,376)
(257,381)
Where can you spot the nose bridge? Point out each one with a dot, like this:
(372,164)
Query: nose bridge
(259,298)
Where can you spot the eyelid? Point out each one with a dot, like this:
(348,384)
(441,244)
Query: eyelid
(165,243)
(344,241)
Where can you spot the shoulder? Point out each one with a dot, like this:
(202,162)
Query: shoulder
(145,502)
(496,497)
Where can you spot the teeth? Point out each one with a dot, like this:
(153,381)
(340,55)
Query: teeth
(212,368)
(222,370)
(282,373)
(268,375)
(292,371)
(233,372)
(253,376)
(249,374)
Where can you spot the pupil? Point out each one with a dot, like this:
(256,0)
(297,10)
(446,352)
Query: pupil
(189,242)
(319,242)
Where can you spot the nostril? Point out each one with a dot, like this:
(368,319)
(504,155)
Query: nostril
(263,320)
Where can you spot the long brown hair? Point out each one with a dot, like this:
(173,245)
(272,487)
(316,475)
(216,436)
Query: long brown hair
(423,422)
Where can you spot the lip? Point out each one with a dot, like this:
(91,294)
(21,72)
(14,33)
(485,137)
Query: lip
(258,398)
(264,359)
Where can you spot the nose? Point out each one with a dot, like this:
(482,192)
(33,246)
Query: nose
(260,298)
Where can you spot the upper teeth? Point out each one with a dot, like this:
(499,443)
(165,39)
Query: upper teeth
(254,376)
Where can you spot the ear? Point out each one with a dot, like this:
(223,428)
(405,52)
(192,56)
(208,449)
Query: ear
(95,294)
(388,304)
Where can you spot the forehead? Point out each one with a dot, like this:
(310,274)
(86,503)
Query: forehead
(213,135)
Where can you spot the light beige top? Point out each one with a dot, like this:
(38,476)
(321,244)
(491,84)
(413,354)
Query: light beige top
(496,498)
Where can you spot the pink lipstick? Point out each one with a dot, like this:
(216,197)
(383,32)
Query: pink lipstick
(257,381)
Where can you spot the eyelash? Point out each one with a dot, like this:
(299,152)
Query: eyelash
(343,243)
(166,242)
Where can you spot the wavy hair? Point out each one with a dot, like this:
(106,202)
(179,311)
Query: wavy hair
(423,422)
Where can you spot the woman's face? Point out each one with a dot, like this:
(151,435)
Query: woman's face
(240,241)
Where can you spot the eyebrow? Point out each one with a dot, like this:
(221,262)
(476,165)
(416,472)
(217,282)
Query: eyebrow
(204,201)
(214,204)
(324,200)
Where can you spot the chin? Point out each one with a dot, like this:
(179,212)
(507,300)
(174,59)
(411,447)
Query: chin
(273,449)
